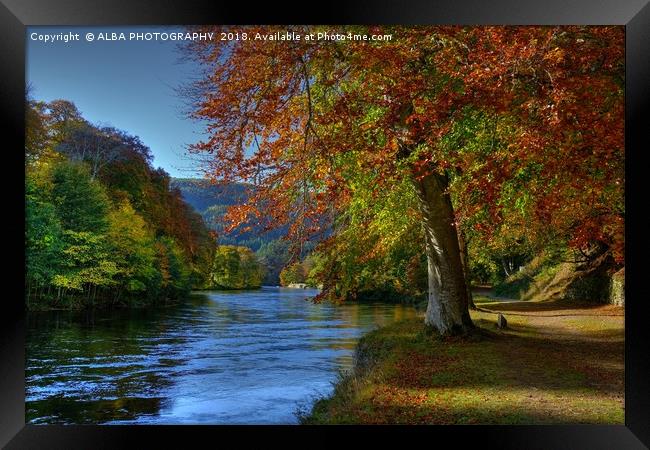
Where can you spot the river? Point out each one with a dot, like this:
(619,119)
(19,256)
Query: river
(246,357)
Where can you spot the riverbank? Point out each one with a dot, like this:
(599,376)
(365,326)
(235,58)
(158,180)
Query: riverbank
(78,305)
(553,364)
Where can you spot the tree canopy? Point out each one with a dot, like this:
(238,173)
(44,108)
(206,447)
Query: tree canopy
(236,267)
(103,226)
(520,128)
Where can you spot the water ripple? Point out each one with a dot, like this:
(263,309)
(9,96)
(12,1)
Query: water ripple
(221,357)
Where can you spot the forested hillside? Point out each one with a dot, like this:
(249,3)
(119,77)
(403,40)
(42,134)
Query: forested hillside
(104,227)
(212,202)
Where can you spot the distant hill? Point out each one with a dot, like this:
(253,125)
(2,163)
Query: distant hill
(211,201)
(201,194)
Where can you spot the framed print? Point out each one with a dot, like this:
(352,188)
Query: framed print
(257,222)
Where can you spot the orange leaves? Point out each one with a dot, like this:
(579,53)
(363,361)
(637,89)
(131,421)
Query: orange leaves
(240,214)
(417,369)
(389,395)
(367,108)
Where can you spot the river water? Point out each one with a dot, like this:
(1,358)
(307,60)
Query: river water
(251,357)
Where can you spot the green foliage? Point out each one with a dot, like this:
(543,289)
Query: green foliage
(43,235)
(236,268)
(102,226)
(87,262)
(274,256)
(293,273)
(132,247)
(82,202)
(379,251)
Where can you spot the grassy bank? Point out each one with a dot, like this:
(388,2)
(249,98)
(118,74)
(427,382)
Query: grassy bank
(554,364)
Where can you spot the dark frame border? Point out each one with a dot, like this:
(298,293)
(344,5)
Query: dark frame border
(15,15)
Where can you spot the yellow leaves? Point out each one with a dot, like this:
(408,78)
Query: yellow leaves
(555,56)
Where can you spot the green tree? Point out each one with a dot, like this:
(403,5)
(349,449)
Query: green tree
(88,266)
(132,247)
(293,273)
(43,239)
(236,268)
(81,202)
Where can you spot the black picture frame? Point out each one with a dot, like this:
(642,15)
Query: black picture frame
(16,15)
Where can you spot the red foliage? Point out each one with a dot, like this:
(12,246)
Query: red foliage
(285,115)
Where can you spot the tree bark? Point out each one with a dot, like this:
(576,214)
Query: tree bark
(505,267)
(462,245)
(448,303)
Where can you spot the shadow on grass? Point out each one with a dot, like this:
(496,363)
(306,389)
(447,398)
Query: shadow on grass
(482,358)
(565,365)
(515,412)
(492,376)
(579,309)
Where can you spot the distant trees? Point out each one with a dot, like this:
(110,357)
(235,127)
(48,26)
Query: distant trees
(301,272)
(211,201)
(274,255)
(293,273)
(102,226)
(236,268)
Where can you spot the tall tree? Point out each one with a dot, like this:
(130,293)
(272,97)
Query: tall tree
(81,202)
(297,119)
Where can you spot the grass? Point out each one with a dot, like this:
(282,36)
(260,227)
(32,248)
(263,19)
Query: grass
(554,364)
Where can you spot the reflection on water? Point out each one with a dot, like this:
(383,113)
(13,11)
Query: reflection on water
(221,357)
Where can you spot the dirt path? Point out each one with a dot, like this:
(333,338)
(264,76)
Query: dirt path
(589,339)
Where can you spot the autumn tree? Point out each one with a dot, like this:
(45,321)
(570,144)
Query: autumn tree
(81,201)
(236,267)
(300,119)
(102,226)
(36,135)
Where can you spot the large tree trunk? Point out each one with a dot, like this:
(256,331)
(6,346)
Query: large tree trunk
(447,309)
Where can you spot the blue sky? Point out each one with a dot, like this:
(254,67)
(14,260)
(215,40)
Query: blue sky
(126,84)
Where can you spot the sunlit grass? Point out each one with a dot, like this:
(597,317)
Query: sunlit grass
(560,366)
